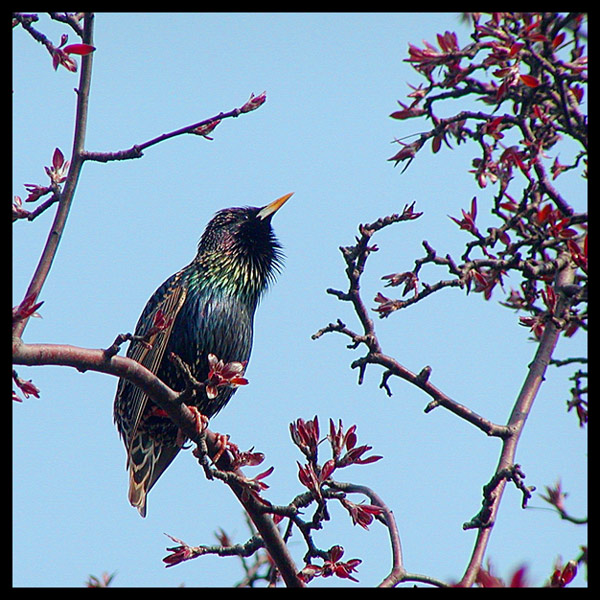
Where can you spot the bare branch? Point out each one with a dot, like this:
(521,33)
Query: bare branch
(516,423)
(137,150)
(68,192)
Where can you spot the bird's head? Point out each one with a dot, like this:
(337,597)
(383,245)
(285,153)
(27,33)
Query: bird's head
(239,246)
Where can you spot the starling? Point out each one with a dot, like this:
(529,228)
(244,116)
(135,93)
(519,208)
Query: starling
(207,308)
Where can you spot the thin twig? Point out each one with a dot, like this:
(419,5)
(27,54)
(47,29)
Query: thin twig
(137,150)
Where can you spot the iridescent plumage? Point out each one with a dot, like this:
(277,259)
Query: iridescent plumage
(209,307)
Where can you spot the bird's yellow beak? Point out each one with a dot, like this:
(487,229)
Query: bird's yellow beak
(274,206)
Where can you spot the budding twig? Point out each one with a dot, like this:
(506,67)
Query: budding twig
(137,150)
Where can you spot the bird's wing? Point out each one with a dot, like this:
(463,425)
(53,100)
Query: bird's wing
(151,355)
(147,459)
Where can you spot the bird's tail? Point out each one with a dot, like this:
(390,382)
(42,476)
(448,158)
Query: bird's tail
(146,461)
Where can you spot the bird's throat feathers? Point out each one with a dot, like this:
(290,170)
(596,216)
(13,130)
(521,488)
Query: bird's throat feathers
(244,276)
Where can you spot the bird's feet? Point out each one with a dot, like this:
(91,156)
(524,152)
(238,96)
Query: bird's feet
(222,444)
(201,423)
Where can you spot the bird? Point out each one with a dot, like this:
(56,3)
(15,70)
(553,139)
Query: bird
(207,309)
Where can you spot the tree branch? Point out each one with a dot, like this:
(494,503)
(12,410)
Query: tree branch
(68,192)
(355,257)
(136,151)
(84,359)
(516,422)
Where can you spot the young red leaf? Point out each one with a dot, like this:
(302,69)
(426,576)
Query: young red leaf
(351,438)
(512,206)
(204,130)
(27,387)
(254,102)
(408,112)
(529,80)
(327,469)
(81,49)
(578,92)
(58,159)
(27,308)
(538,37)
(558,40)
(543,214)
(502,72)
(515,48)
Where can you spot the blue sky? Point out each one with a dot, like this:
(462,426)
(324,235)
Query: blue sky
(324,133)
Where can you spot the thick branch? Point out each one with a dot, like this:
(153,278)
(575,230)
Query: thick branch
(518,417)
(66,197)
(84,359)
